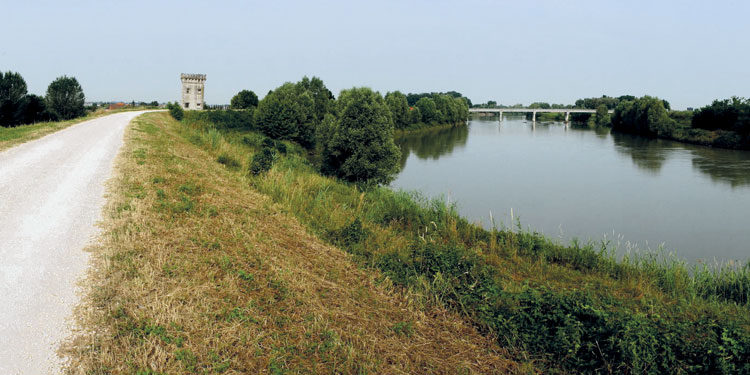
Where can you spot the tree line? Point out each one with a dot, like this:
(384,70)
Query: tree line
(351,136)
(64,100)
(724,123)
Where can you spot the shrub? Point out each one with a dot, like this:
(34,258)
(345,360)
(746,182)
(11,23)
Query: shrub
(262,161)
(228,161)
(176,111)
(358,145)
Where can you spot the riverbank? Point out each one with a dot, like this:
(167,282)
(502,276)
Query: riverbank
(562,308)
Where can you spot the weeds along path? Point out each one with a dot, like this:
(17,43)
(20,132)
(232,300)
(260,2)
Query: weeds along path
(51,195)
(198,272)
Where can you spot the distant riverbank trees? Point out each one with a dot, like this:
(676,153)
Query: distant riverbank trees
(64,100)
(724,123)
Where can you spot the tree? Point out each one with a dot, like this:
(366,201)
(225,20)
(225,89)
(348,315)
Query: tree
(287,113)
(428,109)
(244,99)
(644,116)
(12,95)
(321,96)
(399,109)
(601,117)
(415,116)
(65,98)
(35,110)
(358,144)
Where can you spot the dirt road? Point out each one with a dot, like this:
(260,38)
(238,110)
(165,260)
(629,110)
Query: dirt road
(51,195)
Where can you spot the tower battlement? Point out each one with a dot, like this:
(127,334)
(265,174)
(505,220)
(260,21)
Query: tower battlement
(193,91)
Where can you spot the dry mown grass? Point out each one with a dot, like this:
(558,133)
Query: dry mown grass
(198,273)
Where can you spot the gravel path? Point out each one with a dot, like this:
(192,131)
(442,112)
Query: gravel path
(51,195)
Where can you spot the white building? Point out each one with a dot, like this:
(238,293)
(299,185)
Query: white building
(193,89)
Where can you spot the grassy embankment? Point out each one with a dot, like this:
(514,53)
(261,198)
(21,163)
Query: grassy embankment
(560,308)
(197,272)
(13,136)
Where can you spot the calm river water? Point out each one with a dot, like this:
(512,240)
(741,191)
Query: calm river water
(569,182)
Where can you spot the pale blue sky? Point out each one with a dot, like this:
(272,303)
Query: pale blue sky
(688,52)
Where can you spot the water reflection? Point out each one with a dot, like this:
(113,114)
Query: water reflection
(647,154)
(432,144)
(726,166)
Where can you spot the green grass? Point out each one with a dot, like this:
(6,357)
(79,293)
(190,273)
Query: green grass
(565,308)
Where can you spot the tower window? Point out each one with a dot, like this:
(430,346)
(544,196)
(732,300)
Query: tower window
(187,105)
(187,90)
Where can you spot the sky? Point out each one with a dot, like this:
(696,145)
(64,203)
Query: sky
(688,52)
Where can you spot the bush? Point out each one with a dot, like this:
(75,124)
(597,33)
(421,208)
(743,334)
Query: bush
(228,161)
(358,145)
(176,111)
(262,161)
(65,98)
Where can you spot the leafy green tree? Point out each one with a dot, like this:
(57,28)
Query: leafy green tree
(644,116)
(729,114)
(35,110)
(12,94)
(428,109)
(415,115)
(399,109)
(321,96)
(244,99)
(601,117)
(287,113)
(358,144)
(65,98)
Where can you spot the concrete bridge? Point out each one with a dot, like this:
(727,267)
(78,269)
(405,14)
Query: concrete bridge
(533,111)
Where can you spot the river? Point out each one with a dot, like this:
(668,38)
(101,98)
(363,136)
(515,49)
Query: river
(570,182)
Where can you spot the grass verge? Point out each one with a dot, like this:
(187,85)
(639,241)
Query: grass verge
(197,272)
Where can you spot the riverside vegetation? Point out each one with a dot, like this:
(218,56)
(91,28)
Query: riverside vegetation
(724,123)
(556,308)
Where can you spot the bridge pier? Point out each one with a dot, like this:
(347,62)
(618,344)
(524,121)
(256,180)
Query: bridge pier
(567,116)
(533,117)
(500,116)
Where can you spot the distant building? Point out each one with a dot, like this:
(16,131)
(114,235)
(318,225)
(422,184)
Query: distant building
(116,105)
(193,89)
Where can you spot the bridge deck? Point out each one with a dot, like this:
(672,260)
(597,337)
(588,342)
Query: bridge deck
(530,110)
